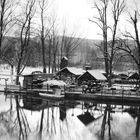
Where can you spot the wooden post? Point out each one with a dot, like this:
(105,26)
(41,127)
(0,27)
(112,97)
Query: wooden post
(122,97)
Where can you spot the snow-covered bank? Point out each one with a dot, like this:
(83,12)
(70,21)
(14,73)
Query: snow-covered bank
(6,77)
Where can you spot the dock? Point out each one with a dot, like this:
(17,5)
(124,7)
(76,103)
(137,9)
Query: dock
(106,98)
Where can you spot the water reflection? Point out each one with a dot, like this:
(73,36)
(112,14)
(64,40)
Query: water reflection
(27,117)
(135,113)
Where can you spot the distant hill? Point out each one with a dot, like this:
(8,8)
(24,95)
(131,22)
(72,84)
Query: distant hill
(86,51)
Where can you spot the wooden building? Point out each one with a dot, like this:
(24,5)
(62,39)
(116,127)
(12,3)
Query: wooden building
(70,73)
(92,75)
(35,80)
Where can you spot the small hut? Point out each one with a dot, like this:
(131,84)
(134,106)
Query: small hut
(70,73)
(134,76)
(134,79)
(92,75)
(35,80)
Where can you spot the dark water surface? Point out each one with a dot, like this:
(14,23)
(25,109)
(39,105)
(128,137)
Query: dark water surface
(40,119)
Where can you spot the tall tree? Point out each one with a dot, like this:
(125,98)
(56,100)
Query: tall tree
(53,45)
(132,50)
(24,23)
(101,22)
(118,7)
(7,19)
(43,5)
(108,48)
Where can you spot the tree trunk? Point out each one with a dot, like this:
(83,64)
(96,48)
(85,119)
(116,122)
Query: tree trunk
(137,126)
(43,55)
(103,124)
(41,124)
(49,57)
(12,72)
(18,71)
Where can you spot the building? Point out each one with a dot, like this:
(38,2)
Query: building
(70,73)
(92,75)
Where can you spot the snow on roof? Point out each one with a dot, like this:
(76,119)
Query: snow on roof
(65,58)
(74,70)
(54,82)
(97,74)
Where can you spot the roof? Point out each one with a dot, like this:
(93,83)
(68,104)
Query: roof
(64,57)
(134,76)
(86,118)
(74,70)
(54,82)
(96,74)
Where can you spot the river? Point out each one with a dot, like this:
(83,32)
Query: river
(28,118)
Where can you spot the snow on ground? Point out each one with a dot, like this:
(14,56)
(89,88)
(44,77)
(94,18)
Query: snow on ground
(5,73)
(123,86)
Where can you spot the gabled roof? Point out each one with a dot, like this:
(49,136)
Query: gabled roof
(134,76)
(96,74)
(76,71)
(73,70)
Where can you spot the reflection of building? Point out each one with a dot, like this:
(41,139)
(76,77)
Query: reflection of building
(33,102)
(86,118)
(62,109)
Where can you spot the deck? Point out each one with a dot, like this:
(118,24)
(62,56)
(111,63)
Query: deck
(106,95)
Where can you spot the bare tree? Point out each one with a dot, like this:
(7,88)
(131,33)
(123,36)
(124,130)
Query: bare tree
(24,36)
(118,8)
(108,48)
(69,44)
(101,22)
(55,47)
(132,50)
(7,22)
(43,5)
(7,8)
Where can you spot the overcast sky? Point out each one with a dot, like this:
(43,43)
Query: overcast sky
(75,15)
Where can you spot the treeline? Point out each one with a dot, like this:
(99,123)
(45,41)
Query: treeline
(85,53)
(11,49)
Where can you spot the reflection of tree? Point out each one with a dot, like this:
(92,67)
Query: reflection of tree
(62,110)
(135,113)
(106,121)
(22,121)
(41,124)
(6,123)
(12,125)
(138,121)
(48,124)
(137,126)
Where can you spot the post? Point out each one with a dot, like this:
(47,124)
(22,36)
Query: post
(122,97)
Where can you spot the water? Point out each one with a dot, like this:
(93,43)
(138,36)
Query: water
(40,119)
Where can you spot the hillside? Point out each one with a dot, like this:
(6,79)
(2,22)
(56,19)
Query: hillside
(86,51)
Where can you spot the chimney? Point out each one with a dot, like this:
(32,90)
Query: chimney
(88,66)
